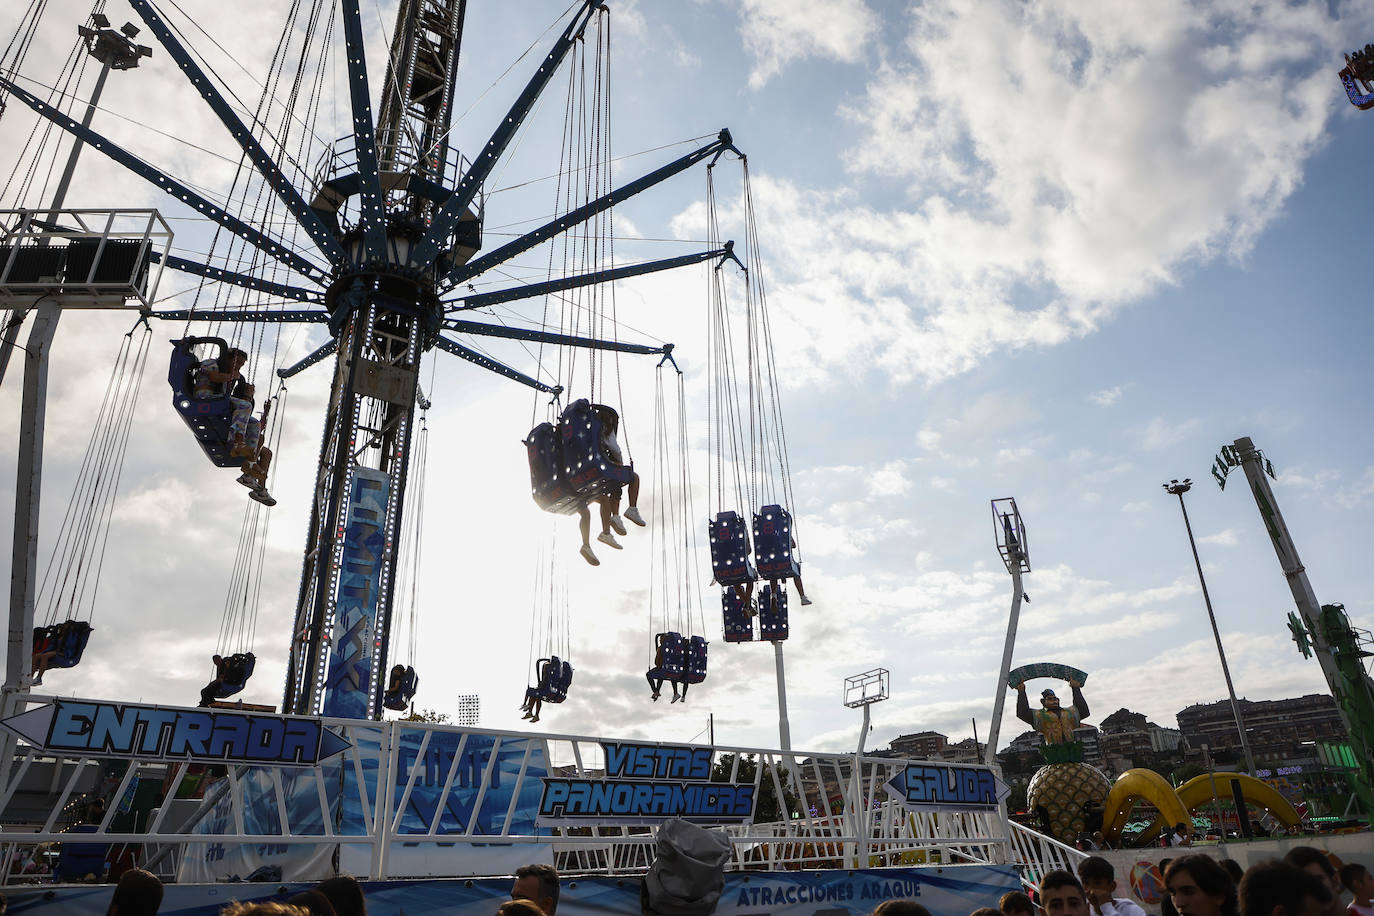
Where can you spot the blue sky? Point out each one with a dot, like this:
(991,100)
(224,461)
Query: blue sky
(1056,252)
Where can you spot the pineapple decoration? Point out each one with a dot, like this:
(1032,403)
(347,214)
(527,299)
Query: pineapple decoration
(1065,786)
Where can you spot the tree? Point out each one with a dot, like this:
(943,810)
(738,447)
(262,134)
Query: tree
(766,809)
(428,715)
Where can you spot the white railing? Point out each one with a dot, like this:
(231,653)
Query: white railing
(415,799)
(1035,854)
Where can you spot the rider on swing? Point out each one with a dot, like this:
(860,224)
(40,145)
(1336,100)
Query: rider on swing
(610,501)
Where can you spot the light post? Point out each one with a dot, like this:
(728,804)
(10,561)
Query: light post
(1178,488)
(862,690)
(1010,534)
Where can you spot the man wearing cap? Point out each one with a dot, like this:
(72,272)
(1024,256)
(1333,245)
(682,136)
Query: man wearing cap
(1054,723)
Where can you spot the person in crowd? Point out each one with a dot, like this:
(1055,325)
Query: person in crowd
(1233,869)
(1015,903)
(138,893)
(1280,888)
(985,911)
(900,908)
(262,908)
(519,908)
(344,894)
(313,902)
(1360,883)
(1099,884)
(1061,894)
(537,883)
(1198,886)
(1318,864)
(1166,906)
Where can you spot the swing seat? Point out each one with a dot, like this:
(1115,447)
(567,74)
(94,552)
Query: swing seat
(696,661)
(772,619)
(400,699)
(729,539)
(674,655)
(207,418)
(240,669)
(550,491)
(738,626)
(587,468)
(70,640)
(773,553)
(1361,100)
(560,678)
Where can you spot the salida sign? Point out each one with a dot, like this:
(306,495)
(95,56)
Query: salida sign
(935,786)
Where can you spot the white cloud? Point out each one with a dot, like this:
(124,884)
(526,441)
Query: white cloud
(1160,433)
(1106,397)
(777,32)
(1227,538)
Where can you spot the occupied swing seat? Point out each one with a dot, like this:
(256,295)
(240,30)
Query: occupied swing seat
(569,466)
(671,655)
(68,639)
(208,418)
(729,540)
(696,661)
(560,677)
(400,698)
(738,625)
(773,613)
(773,552)
(238,669)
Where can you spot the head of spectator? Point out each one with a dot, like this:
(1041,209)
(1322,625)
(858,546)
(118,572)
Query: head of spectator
(900,908)
(1318,864)
(1015,903)
(538,883)
(1233,869)
(985,911)
(313,902)
(519,908)
(262,908)
(344,894)
(1198,886)
(1359,882)
(1098,878)
(1280,888)
(138,893)
(1062,895)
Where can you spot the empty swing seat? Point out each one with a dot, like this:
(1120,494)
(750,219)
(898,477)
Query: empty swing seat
(399,700)
(208,418)
(587,468)
(696,661)
(738,626)
(729,539)
(240,669)
(773,553)
(772,614)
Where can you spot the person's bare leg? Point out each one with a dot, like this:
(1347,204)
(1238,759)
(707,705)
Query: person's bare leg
(801,592)
(607,513)
(634,489)
(584,525)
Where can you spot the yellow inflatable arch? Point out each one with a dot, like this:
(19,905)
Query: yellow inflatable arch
(1197,792)
(1142,785)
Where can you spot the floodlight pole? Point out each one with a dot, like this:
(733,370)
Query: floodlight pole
(1178,488)
(1011,544)
(784,730)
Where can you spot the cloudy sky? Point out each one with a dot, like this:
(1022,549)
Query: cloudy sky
(1061,252)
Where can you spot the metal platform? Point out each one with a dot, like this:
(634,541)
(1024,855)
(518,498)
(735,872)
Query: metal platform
(82,258)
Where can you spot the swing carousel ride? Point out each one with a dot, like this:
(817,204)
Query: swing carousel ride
(386,238)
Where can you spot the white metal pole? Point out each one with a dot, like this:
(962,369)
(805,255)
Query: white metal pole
(863,733)
(784,730)
(999,701)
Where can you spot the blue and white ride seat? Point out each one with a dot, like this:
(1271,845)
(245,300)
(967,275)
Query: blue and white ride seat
(560,679)
(674,654)
(696,661)
(69,640)
(238,669)
(207,418)
(550,490)
(738,625)
(588,470)
(774,554)
(773,613)
(729,539)
(399,699)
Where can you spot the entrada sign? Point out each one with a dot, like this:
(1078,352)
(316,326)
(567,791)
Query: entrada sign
(673,783)
(95,729)
(935,786)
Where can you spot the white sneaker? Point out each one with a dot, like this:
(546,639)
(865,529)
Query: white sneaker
(262,496)
(609,540)
(589,556)
(633,515)
(806,600)
(618,525)
(247,481)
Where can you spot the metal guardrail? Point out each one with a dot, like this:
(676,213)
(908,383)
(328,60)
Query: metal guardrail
(83,258)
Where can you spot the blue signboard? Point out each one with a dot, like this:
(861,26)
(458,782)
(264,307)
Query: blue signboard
(645,784)
(936,786)
(348,684)
(94,729)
